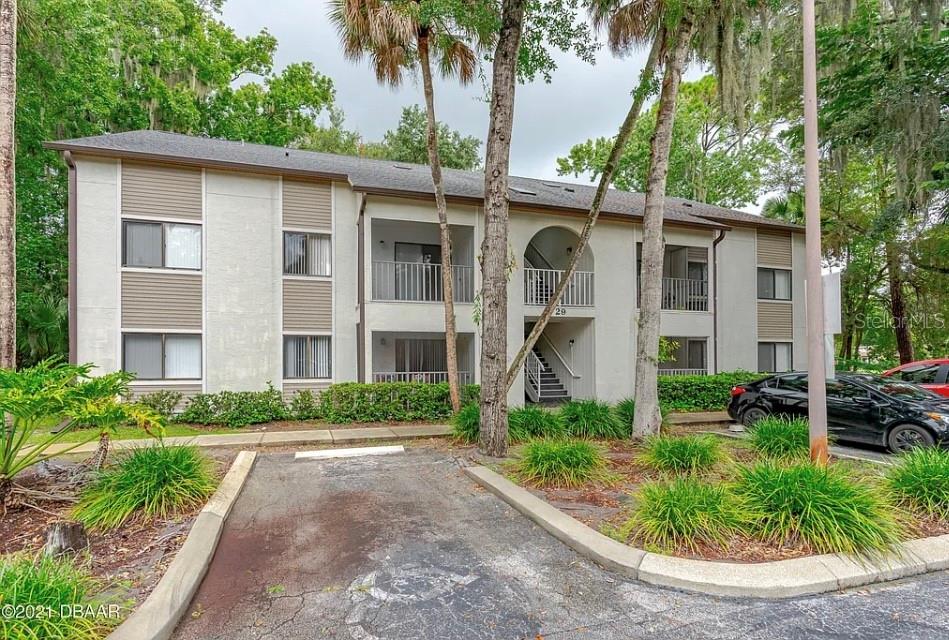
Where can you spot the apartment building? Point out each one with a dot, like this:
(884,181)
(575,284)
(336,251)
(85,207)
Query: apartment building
(203,265)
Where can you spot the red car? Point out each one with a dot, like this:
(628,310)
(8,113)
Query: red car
(932,374)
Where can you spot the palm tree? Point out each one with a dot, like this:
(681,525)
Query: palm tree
(604,19)
(8,24)
(397,36)
(734,35)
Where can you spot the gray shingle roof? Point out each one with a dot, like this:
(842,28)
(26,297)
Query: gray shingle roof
(386,176)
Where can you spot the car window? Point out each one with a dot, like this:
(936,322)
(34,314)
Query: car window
(794,383)
(899,389)
(918,374)
(841,390)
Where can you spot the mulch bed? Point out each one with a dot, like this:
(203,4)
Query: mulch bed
(128,561)
(607,507)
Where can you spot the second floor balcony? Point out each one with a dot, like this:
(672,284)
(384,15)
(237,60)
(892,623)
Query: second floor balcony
(684,278)
(419,282)
(540,284)
(545,260)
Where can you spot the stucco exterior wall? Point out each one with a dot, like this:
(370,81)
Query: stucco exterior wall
(345,289)
(243,340)
(737,301)
(98,263)
(798,294)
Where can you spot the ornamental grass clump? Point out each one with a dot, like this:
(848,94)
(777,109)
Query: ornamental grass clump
(531,421)
(45,584)
(780,437)
(682,454)
(153,482)
(820,507)
(562,463)
(686,512)
(466,424)
(593,419)
(625,410)
(919,481)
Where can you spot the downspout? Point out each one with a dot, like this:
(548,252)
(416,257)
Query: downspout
(715,243)
(72,256)
(361,291)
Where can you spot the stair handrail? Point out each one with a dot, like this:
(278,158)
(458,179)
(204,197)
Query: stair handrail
(556,352)
(533,367)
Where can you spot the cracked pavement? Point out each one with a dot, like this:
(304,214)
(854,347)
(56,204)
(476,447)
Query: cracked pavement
(406,547)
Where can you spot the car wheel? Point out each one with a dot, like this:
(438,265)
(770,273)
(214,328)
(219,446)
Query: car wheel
(906,437)
(753,415)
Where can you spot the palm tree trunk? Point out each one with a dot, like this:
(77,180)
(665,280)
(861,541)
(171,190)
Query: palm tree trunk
(102,452)
(494,248)
(647,418)
(606,179)
(434,161)
(8,11)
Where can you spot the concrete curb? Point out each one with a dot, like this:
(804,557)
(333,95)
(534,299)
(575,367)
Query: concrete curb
(275,438)
(157,617)
(779,579)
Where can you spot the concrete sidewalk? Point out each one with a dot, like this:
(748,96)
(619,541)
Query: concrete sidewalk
(275,438)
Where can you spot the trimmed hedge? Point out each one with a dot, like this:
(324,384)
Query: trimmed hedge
(701,393)
(389,401)
(235,408)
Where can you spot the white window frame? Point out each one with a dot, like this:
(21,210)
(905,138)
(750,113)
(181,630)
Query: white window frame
(163,336)
(283,357)
(773,271)
(164,224)
(306,234)
(774,355)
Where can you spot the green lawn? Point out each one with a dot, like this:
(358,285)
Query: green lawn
(130,433)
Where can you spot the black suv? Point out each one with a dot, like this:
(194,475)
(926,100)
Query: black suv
(861,408)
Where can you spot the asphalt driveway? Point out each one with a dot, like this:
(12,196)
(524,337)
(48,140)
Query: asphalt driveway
(406,547)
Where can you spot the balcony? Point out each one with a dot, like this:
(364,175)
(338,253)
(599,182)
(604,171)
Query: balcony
(540,284)
(419,282)
(427,377)
(688,357)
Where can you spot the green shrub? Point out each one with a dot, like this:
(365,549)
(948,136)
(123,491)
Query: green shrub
(593,419)
(700,393)
(781,437)
(162,402)
(155,481)
(688,454)
(686,512)
(305,406)
(389,401)
(626,410)
(920,480)
(47,583)
(531,421)
(466,424)
(562,463)
(235,408)
(819,506)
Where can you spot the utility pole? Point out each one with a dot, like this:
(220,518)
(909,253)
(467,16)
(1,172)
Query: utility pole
(816,372)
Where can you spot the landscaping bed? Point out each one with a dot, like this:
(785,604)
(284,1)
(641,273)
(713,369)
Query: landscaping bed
(745,501)
(125,562)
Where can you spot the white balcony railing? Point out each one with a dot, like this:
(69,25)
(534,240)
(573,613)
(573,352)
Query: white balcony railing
(681,294)
(540,284)
(419,282)
(428,377)
(682,372)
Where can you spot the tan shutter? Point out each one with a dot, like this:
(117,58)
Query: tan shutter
(307,305)
(161,300)
(307,205)
(161,190)
(775,321)
(774,248)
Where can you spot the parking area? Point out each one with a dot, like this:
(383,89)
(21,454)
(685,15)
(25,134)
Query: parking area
(405,547)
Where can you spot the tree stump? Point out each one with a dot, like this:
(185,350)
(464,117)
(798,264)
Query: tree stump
(65,537)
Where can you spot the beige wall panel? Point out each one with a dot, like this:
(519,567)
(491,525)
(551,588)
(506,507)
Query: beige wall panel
(307,205)
(161,300)
(774,248)
(159,190)
(775,321)
(307,305)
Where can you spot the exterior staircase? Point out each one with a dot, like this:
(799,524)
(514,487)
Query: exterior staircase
(551,389)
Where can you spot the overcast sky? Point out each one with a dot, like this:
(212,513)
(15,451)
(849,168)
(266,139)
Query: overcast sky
(582,100)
